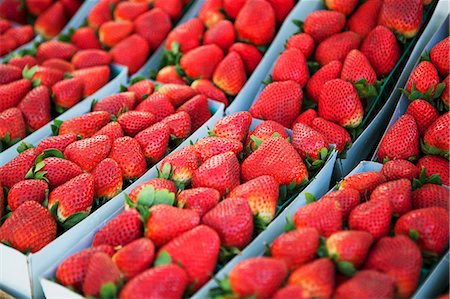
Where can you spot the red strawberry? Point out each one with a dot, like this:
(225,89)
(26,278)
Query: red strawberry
(25,191)
(296,247)
(306,117)
(345,7)
(112,32)
(373,216)
(435,165)
(85,125)
(58,64)
(439,56)
(12,125)
(207,88)
(212,12)
(180,166)
(113,130)
(259,276)
(35,107)
(336,47)
(7,44)
(303,42)
(89,58)
(86,38)
(356,67)
(187,36)
(279,101)
(179,125)
(232,7)
(333,133)
(120,231)
(4,25)
(255,22)
(71,6)
(250,55)
(401,140)
(200,199)
(424,114)
(197,251)
(135,257)
(9,73)
(116,103)
(402,17)
(399,169)
(366,284)
(169,74)
(51,21)
(22,34)
(153,26)
(290,291)
(263,131)
(198,110)
(349,246)
(211,146)
(57,142)
(322,24)
(29,228)
(133,122)
(328,72)
(48,76)
(233,126)
(140,193)
(100,13)
(445,95)
(93,78)
(398,192)
(281,8)
(129,10)
(101,270)
(423,81)
(172,7)
(313,215)
(177,94)
(431,195)
(365,17)
(68,92)
(12,93)
(158,104)
(436,141)
(11,10)
(23,61)
(131,52)
(154,142)
(291,65)
(15,170)
(316,278)
(348,199)
(127,152)
(56,171)
(221,34)
(202,61)
(229,74)
(364,182)
(308,142)
(107,179)
(142,88)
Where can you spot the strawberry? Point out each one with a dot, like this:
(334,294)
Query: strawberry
(101,270)
(107,179)
(263,131)
(7,44)
(345,7)
(233,126)
(200,199)
(303,42)
(93,78)
(445,95)
(259,276)
(4,25)
(15,170)
(11,10)
(100,13)
(56,171)
(180,166)
(185,36)
(120,231)
(289,291)
(398,169)
(424,114)
(364,182)
(198,110)
(129,11)
(296,247)
(366,284)
(67,93)
(197,251)
(23,61)
(356,67)
(306,117)
(133,122)
(127,152)
(348,199)
(35,107)
(336,47)
(29,228)
(158,104)
(113,130)
(221,34)
(211,146)
(22,34)
(266,161)
(25,191)
(373,216)
(153,26)
(116,103)
(439,56)
(250,56)
(255,22)
(316,278)
(436,140)
(58,64)
(55,49)
(423,82)
(232,8)
(431,195)
(333,133)
(89,152)
(12,93)
(169,74)
(177,94)
(56,142)
(398,192)
(86,38)
(339,102)
(48,76)
(71,6)
(84,125)
(9,73)
(308,142)
(349,247)
(135,257)
(399,258)
(166,281)
(131,52)
(179,124)
(202,61)
(154,142)
(281,8)
(229,74)
(112,32)
(322,24)
(435,165)
(280,102)
(212,11)
(207,88)
(51,21)
(172,7)
(12,126)
(365,18)
(143,88)
(402,17)
(89,58)
(291,65)
(161,188)
(328,72)
(401,140)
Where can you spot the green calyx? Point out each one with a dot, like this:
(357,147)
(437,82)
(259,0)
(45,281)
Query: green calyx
(423,179)
(433,93)
(434,151)
(316,164)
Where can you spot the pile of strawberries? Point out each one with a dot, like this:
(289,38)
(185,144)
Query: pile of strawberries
(64,179)
(421,135)
(369,239)
(217,61)
(180,219)
(349,64)
(46,17)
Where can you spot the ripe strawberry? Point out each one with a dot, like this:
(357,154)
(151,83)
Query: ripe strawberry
(221,34)
(4,25)
(200,199)
(169,74)
(366,284)
(29,228)
(402,17)
(229,74)
(113,130)
(198,110)
(11,10)
(116,103)
(51,21)
(100,13)
(67,93)
(399,258)
(15,170)
(423,81)
(86,38)
(22,34)
(202,61)
(212,11)
(211,146)
(25,191)
(12,93)
(399,169)
(263,131)
(365,18)
(7,44)
(180,166)
(12,125)
(89,152)
(316,278)
(142,88)
(23,61)
(280,102)
(328,72)
(9,73)
(55,49)
(154,142)
(445,95)
(333,133)
(58,64)
(197,251)
(291,65)
(233,126)
(255,22)
(303,42)
(289,291)
(89,58)
(431,195)
(85,125)
(35,107)
(322,24)
(207,88)
(250,56)
(349,246)
(259,276)
(135,257)
(296,247)
(436,140)
(71,7)
(101,270)
(306,117)
(132,52)
(435,165)
(364,182)
(172,7)
(348,199)
(158,104)
(357,67)
(373,216)
(166,281)
(133,122)
(127,152)
(179,124)
(129,11)
(401,140)
(120,231)
(345,7)
(281,8)
(439,56)
(56,171)
(177,94)
(93,78)
(48,76)
(336,47)
(161,188)
(398,192)
(107,179)
(308,142)
(424,114)
(186,36)
(56,142)
(112,32)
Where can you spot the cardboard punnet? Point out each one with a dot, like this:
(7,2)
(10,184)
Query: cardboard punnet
(19,273)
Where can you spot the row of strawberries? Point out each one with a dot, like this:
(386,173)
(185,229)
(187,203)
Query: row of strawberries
(188,228)
(46,17)
(369,239)
(68,178)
